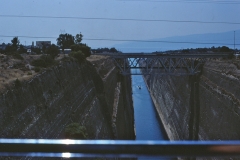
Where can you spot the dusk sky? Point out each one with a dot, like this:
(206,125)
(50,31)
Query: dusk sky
(114,19)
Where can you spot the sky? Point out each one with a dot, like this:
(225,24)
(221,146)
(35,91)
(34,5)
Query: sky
(104,22)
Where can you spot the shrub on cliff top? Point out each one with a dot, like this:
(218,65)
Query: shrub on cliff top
(75,131)
(83,48)
(17,83)
(44,61)
(78,55)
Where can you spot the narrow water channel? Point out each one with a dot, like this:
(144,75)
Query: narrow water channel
(147,124)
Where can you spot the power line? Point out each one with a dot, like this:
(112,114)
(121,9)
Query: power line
(27,36)
(186,1)
(122,19)
(132,40)
(128,40)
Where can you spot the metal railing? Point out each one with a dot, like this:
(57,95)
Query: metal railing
(117,148)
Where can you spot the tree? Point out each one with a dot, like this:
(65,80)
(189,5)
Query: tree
(68,41)
(101,50)
(36,50)
(113,50)
(15,43)
(225,49)
(52,50)
(78,38)
(22,49)
(8,48)
(65,41)
(83,48)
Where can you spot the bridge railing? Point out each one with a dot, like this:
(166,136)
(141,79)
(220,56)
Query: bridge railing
(117,148)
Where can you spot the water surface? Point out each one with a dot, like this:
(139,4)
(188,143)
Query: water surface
(147,123)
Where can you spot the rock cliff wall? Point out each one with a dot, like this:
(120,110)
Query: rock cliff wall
(69,92)
(214,112)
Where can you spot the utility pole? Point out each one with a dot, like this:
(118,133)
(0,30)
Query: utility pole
(234,41)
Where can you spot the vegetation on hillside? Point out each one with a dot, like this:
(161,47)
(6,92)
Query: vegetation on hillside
(44,61)
(75,131)
(78,50)
(108,50)
(205,50)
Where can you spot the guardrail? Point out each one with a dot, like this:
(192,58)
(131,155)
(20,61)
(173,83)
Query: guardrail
(117,148)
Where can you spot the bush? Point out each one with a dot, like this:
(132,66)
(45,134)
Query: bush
(78,55)
(52,50)
(22,49)
(83,48)
(75,131)
(44,61)
(36,50)
(225,49)
(17,83)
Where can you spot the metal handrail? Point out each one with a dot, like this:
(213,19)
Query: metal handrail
(117,148)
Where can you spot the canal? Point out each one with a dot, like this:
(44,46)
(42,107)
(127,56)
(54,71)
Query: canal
(147,124)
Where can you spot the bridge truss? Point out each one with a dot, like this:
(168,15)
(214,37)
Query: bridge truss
(161,64)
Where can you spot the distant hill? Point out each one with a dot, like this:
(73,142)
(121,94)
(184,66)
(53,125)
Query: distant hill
(183,42)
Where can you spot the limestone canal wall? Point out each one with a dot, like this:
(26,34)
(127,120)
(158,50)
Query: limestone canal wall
(91,94)
(211,111)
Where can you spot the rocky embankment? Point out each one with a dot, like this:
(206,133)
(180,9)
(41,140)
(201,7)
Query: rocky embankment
(42,106)
(215,112)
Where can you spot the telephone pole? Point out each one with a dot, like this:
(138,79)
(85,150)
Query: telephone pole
(234,41)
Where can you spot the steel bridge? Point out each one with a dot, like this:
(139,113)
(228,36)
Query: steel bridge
(160,63)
